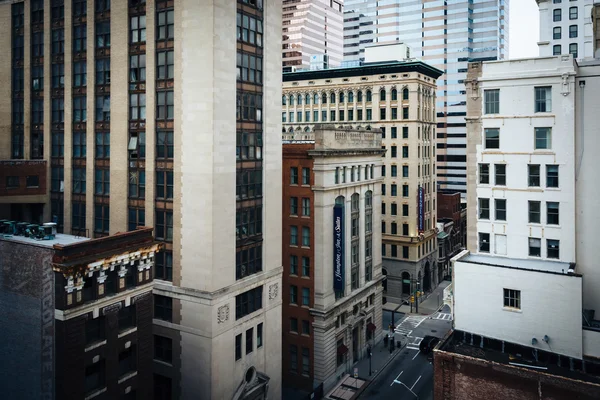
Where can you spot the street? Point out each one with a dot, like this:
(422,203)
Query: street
(410,374)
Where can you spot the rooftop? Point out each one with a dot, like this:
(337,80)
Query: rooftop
(60,239)
(555,267)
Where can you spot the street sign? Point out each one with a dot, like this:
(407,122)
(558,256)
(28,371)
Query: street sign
(405,280)
(356,372)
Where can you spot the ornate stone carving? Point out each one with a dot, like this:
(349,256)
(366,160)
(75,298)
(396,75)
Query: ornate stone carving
(273,291)
(223,314)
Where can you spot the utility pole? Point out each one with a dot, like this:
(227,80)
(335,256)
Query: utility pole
(417,298)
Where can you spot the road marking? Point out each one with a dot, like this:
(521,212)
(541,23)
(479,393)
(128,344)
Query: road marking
(396,380)
(412,347)
(411,388)
(443,316)
(416,357)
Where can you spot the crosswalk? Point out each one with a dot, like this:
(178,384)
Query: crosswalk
(442,316)
(409,324)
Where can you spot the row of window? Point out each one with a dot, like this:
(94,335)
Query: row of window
(394,190)
(542,139)
(294,360)
(294,239)
(340,115)
(305,301)
(249,341)
(542,100)
(557,14)
(342,97)
(305,207)
(534,211)
(573,50)
(31,181)
(294,176)
(394,132)
(304,329)
(424,248)
(534,246)
(533,175)
(557,32)
(355,173)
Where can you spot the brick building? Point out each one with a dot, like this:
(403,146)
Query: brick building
(331,253)
(76,315)
(452,228)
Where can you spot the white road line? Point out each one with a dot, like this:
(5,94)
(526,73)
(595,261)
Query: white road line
(416,356)
(411,388)
(396,380)
(412,347)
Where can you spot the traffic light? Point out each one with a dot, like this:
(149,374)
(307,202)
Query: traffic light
(412,299)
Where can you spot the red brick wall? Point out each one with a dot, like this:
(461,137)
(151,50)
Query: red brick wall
(295,155)
(22,169)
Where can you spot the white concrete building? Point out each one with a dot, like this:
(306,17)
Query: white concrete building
(566,27)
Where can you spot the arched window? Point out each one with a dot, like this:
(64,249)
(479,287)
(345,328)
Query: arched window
(307,129)
(340,200)
(292,99)
(355,203)
(369,96)
(394,94)
(369,199)
(284,99)
(315,98)
(382,95)
(342,97)
(332,97)
(359,96)
(299,99)
(324,98)
(405,94)
(307,99)
(350,97)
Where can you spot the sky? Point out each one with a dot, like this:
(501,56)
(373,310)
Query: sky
(523,28)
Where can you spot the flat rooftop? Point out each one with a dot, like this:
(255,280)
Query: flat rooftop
(555,267)
(60,238)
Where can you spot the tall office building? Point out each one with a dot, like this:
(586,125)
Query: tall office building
(134,105)
(446,35)
(312,28)
(566,28)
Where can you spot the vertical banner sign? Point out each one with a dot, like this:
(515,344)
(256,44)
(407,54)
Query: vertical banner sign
(338,248)
(421,208)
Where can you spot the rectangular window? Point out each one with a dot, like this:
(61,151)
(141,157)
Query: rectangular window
(165,25)
(102,182)
(394,190)
(294,236)
(163,349)
(484,174)
(102,6)
(102,108)
(79,8)
(101,218)
(500,174)
(259,335)
(305,236)
(552,176)
(37,79)
(293,359)
(58,76)
(534,212)
(315,116)
(404,112)
(248,261)
(249,340)
(404,251)
(350,115)
(332,115)
(78,220)
(382,113)
(553,248)
(543,99)
(136,217)
(79,74)
(58,41)
(58,9)
(294,325)
(341,112)
(492,101)
(305,296)
(484,242)
(305,361)
(102,145)
(163,225)
(394,250)
(294,175)
(405,171)
(556,33)
(405,210)
(293,294)
(369,114)
(573,31)
(37,44)
(484,208)
(238,347)
(164,185)
(137,29)
(102,34)
(58,110)
(543,138)
(492,138)
(293,265)
(573,50)
(359,114)
(306,176)
(79,145)
(137,106)
(533,172)
(293,206)
(512,298)
(535,247)
(249,69)
(163,264)
(405,190)
(79,109)
(305,327)
(103,72)
(95,376)
(137,68)
(306,266)
(552,213)
(248,302)
(306,207)
(249,29)
(164,145)
(12,182)
(394,207)
(404,151)
(557,15)
(164,105)
(79,180)
(500,209)
(573,13)
(556,50)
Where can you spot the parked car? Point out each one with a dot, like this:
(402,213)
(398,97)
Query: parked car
(428,343)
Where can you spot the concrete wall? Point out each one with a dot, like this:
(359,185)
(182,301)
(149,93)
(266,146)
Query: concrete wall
(479,306)
(591,343)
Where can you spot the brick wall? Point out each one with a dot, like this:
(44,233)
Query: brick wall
(23,169)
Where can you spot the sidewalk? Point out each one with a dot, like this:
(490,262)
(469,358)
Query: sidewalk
(431,304)
(381,357)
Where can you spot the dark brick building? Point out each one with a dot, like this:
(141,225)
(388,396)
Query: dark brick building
(452,225)
(472,367)
(23,190)
(76,316)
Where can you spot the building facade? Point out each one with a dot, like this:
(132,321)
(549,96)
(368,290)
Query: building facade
(312,28)
(77,320)
(446,35)
(566,28)
(399,99)
(95,88)
(332,260)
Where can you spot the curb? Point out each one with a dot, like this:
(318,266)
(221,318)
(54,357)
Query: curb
(380,370)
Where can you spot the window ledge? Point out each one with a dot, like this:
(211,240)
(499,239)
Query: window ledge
(127,376)
(95,346)
(96,393)
(127,332)
(512,309)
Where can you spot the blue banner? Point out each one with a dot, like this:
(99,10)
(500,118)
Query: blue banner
(421,208)
(338,248)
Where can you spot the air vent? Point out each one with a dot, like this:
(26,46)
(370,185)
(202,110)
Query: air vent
(345,80)
(364,78)
(328,81)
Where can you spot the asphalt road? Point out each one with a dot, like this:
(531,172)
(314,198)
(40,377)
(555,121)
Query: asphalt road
(410,374)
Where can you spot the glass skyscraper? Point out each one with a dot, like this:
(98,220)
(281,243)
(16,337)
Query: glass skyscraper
(446,34)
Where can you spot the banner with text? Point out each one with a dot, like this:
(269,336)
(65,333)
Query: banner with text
(338,248)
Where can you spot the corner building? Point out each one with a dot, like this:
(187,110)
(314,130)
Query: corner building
(151,113)
(399,98)
(332,263)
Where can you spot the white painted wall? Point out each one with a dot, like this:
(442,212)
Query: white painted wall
(550,305)
(591,343)
(517,81)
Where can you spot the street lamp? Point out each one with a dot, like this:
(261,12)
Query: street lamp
(417,298)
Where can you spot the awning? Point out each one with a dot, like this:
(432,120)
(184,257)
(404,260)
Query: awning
(341,350)
(371,327)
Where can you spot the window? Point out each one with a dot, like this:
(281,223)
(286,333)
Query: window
(164,105)
(405,210)
(137,106)
(556,50)
(404,151)
(165,25)
(102,6)
(369,114)
(500,174)
(293,358)
(95,376)
(79,8)
(405,132)
(102,182)
(535,247)
(294,265)
(136,217)
(102,34)
(37,111)
(533,172)
(484,242)
(305,327)
(102,108)
(556,33)
(573,49)
(294,325)
(294,175)
(79,145)
(57,177)
(305,361)
(58,76)
(553,248)
(249,340)
(101,218)
(248,302)
(293,294)
(484,208)
(58,9)
(552,176)
(259,335)
(305,296)
(543,99)
(534,212)
(573,31)
(78,217)
(103,71)
(79,74)
(512,298)
(238,347)
(394,207)
(164,225)
(102,145)
(79,180)
(543,138)
(306,266)
(248,261)
(58,41)
(500,209)
(394,170)
(405,229)
(249,69)
(405,190)
(79,109)
(382,113)
(293,206)
(484,174)
(12,182)
(37,44)
(305,236)
(394,132)
(137,29)
(557,15)
(306,207)
(163,349)
(492,138)
(250,30)
(163,266)
(573,13)
(552,213)
(294,236)
(492,101)
(164,145)
(394,189)
(137,68)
